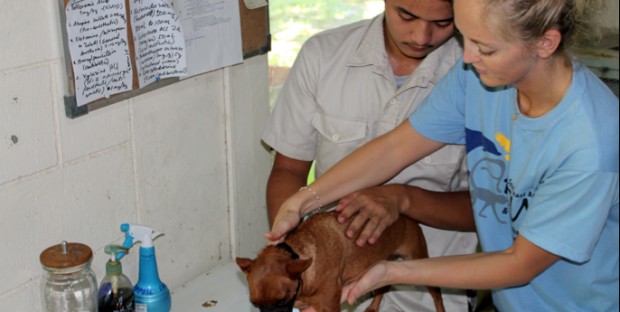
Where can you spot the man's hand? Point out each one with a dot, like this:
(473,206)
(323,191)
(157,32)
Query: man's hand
(372,210)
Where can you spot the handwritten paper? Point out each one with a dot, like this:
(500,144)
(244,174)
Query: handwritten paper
(159,41)
(97,35)
(212,33)
(188,38)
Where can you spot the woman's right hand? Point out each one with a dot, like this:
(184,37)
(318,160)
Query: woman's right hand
(373,278)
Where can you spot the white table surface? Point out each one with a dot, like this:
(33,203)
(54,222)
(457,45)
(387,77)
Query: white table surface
(225,287)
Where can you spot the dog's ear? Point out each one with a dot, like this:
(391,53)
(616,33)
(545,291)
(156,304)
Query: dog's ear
(244,264)
(297,266)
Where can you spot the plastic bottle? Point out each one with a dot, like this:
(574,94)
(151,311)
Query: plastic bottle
(115,291)
(151,294)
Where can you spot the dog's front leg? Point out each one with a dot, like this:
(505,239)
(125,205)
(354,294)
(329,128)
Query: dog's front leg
(330,305)
(376,301)
(327,299)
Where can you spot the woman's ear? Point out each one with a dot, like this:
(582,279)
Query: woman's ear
(549,43)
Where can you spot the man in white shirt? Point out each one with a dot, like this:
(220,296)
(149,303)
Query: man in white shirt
(356,82)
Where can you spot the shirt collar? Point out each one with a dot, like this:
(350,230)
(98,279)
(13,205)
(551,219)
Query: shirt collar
(371,51)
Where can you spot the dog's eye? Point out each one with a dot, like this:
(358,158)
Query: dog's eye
(282,302)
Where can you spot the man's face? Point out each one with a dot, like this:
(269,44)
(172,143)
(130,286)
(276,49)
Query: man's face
(415,28)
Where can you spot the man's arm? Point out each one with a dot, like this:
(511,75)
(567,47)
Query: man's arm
(374,209)
(287,176)
(442,210)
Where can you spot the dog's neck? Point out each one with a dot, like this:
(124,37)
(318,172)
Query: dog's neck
(302,250)
(286,247)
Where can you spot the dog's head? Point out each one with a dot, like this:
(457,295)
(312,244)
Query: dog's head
(274,278)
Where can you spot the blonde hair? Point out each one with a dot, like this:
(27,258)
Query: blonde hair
(528,20)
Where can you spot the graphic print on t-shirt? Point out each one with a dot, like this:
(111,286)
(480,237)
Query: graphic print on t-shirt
(492,189)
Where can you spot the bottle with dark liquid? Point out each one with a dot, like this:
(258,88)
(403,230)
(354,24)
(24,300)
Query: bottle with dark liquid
(115,291)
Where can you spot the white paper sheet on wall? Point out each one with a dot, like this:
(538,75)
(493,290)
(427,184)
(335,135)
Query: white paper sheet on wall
(159,41)
(171,38)
(212,33)
(97,38)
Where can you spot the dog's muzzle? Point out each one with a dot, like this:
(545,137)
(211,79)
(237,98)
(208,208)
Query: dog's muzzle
(282,306)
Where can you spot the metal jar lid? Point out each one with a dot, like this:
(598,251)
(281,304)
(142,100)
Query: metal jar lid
(65,255)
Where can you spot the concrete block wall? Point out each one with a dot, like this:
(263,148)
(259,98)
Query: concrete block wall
(185,159)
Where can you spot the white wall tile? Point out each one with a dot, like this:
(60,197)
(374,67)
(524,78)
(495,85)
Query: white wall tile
(98,130)
(27,297)
(98,195)
(31,221)
(180,155)
(29,32)
(27,131)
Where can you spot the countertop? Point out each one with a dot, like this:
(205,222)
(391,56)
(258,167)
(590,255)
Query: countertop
(222,290)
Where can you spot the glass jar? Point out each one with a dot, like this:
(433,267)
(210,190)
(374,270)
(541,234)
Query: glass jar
(69,284)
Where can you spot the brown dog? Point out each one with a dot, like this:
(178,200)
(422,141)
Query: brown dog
(317,259)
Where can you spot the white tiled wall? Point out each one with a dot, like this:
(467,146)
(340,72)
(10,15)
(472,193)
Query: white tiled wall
(185,159)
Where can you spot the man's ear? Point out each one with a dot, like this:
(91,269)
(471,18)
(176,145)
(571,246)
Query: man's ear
(549,43)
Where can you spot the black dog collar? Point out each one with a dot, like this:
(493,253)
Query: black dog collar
(284,246)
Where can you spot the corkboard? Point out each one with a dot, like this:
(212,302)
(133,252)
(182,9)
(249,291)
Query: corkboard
(256,40)
(254,30)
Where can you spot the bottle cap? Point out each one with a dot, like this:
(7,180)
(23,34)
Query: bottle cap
(113,267)
(65,255)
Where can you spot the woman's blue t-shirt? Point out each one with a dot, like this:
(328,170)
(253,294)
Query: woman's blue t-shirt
(552,179)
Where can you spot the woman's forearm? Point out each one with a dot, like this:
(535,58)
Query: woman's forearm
(374,163)
(515,266)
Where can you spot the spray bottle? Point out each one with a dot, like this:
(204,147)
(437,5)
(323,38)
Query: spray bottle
(151,295)
(116,291)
